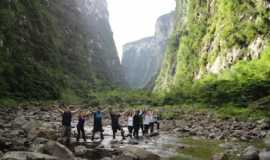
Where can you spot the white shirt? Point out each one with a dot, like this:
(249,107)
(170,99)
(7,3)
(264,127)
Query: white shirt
(130,121)
(152,119)
(146,120)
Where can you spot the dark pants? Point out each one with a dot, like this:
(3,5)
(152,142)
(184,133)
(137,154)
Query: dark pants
(146,128)
(130,129)
(157,123)
(136,132)
(80,130)
(151,126)
(95,131)
(115,129)
(142,128)
(66,134)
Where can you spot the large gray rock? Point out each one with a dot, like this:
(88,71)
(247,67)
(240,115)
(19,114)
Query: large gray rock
(58,150)
(27,156)
(264,155)
(134,153)
(250,153)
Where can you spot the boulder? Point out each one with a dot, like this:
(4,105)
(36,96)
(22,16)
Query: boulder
(42,131)
(38,144)
(250,153)
(80,150)
(134,153)
(27,156)
(58,150)
(264,155)
(99,153)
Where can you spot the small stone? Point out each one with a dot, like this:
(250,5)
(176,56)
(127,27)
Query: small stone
(80,150)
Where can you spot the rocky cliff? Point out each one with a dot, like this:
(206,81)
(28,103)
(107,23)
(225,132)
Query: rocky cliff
(142,59)
(219,50)
(51,47)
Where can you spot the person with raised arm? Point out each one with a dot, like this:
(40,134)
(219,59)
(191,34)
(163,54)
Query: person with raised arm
(66,121)
(98,124)
(130,116)
(146,122)
(136,124)
(115,124)
(80,125)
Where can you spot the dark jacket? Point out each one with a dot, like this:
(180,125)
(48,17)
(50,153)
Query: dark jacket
(66,119)
(115,121)
(136,121)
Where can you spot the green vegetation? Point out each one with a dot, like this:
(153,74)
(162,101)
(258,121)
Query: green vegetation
(200,150)
(44,57)
(214,29)
(122,97)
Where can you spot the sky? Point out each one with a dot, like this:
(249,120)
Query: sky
(132,20)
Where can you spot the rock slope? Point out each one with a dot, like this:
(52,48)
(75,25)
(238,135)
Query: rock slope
(50,47)
(142,59)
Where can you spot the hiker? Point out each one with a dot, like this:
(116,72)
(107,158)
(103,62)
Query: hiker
(98,124)
(146,122)
(151,123)
(130,116)
(136,124)
(66,122)
(157,119)
(80,125)
(141,115)
(115,124)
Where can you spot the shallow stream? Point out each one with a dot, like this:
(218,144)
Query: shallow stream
(178,147)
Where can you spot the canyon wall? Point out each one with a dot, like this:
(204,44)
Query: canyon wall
(49,48)
(142,59)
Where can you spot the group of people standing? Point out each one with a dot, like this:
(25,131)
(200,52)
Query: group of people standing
(142,120)
(135,121)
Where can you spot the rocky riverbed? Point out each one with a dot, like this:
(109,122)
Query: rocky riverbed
(33,133)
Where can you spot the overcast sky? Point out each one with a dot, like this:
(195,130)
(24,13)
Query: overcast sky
(135,19)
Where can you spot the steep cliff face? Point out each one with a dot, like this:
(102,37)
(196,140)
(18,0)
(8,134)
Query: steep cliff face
(48,47)
(218,49)
(142,59)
